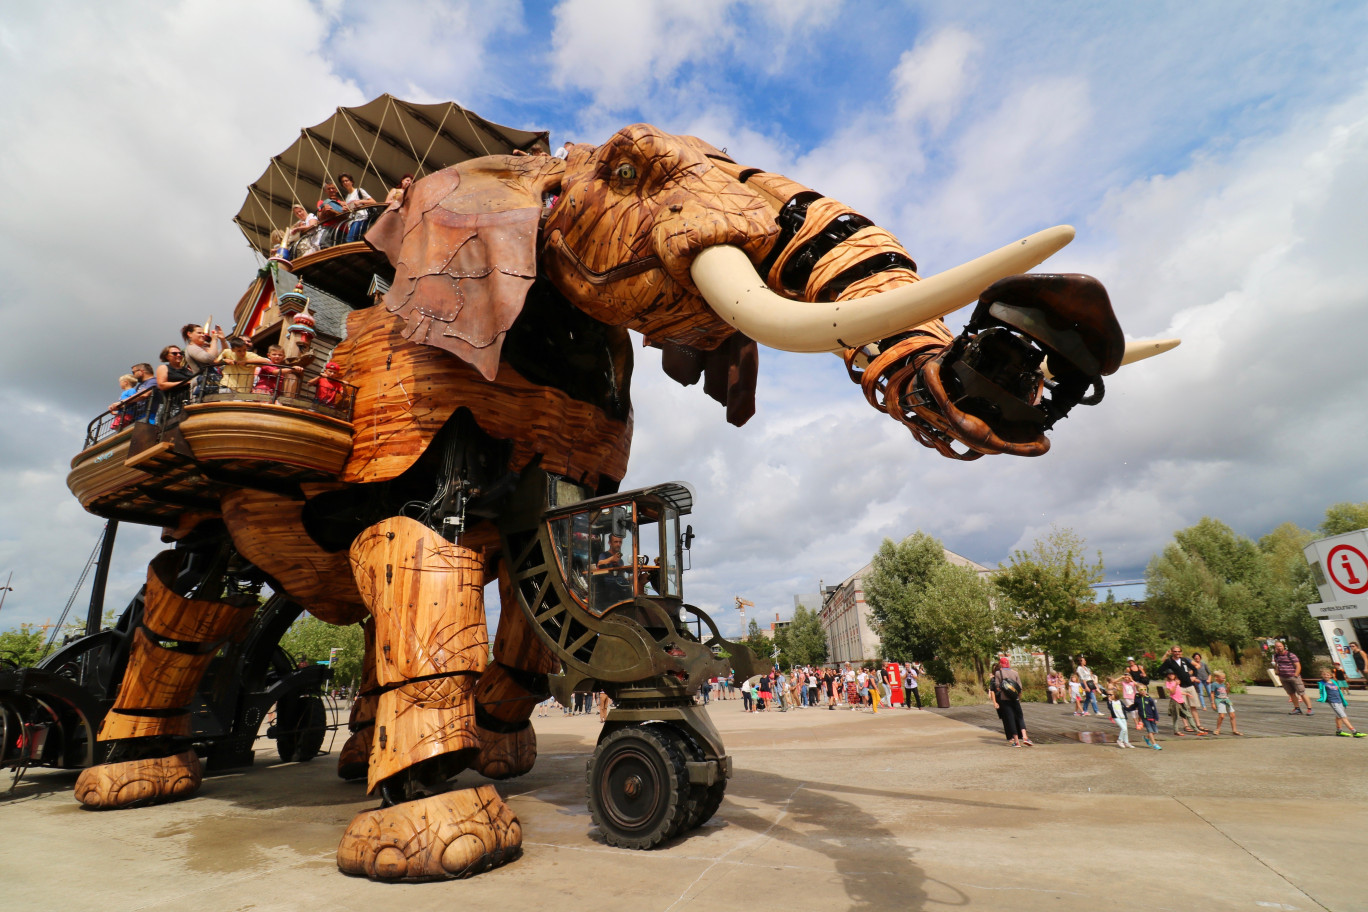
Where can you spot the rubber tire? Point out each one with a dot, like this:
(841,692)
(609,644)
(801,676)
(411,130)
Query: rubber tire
(704,800)
(653,755)
(301,729)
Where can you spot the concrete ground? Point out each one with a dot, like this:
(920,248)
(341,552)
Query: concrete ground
(827,810)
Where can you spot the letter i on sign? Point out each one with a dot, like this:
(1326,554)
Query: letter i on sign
(1348,570)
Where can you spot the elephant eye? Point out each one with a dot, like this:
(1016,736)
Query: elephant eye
(624,172)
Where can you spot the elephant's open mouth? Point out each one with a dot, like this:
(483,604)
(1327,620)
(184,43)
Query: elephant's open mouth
(633,267)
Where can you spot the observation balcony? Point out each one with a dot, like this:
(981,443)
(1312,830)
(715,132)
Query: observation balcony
(161,455)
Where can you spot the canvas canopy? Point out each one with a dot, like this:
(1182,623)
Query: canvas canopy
(377,143)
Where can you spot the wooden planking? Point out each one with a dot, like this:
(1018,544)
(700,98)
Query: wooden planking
(406,392)
(454,834)
(267,529)
(516,644)
(99,471)
(269,434)
(426,596)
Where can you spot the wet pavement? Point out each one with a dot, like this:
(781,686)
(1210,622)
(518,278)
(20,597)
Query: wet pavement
(828,809)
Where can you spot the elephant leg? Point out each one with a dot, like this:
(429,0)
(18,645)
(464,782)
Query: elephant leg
(150,719)
(509,689)
(426,597)
(354,759)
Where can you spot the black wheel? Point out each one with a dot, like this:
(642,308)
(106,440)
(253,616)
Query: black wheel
(704,800)
(638,786)
(301,725)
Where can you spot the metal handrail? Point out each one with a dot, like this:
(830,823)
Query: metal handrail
(348,227)
(165,408)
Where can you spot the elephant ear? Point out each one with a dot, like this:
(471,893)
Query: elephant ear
(463,244)
(728,371)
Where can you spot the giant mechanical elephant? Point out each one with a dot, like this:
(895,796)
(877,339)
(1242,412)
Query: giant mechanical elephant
(501,351)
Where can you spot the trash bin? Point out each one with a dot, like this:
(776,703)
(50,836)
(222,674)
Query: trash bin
(942,696)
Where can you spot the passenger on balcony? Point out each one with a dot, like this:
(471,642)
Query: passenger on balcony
(303,220)
(202,346)
(354,197)
(355,200)
(329,385)
(269,376)
(397,194)
(331,211)
(239,365)
(129,384)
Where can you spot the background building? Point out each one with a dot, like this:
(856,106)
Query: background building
(845,616)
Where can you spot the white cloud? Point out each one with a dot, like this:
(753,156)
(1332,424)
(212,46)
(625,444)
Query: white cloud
(930,80)
(616,51)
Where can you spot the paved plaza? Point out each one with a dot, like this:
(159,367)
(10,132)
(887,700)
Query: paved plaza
(828,810)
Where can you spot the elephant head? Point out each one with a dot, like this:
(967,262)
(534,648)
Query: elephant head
(669,236)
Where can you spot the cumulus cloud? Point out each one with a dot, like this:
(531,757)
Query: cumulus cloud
(931,78)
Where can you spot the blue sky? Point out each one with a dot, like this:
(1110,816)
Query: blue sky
(1212,157)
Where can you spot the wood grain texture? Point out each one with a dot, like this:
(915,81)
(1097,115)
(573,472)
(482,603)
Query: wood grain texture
(406,392)
(269,433)
(620,247)
(158,678)
(426,596)
(189,620)
(452,835)
(267,529)
(507,754)
(138,782)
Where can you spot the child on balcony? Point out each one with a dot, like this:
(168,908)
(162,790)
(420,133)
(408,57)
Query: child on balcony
(239,366)
(268,376)
(329,386)
(129,384)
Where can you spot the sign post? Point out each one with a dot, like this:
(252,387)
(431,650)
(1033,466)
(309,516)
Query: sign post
(1339,568)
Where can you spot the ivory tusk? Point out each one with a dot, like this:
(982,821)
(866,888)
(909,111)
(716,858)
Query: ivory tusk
(1148,348)
(1137,351)
(729,283)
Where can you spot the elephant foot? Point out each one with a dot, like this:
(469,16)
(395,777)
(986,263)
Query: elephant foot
(133,783)
(506,755)
(354,760)
(446,836)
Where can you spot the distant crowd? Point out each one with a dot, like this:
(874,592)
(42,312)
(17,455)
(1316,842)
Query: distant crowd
(1189,684)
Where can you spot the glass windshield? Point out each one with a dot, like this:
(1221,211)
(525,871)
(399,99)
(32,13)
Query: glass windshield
(670,568)
(613,545)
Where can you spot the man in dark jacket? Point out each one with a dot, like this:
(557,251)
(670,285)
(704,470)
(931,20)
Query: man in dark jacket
(1183,669)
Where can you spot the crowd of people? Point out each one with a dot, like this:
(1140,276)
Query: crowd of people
(1189,685)
(223,365)
(340,217)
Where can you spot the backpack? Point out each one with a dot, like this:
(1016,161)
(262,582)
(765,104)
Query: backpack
(1008,689)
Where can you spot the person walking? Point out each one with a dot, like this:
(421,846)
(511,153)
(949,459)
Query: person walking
(1004,691)
(1289,669)
(1220,702)
(1181,668)
(1148,712)
(1113,693)
(1332,694)
(1201,677)
(1179,710)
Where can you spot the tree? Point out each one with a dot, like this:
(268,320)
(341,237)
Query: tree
(957,612)
(1290,587)
(311,639)
(759,644)
(802,642)
(893,590)
(1049,592)
(24,646)
(1344,517)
